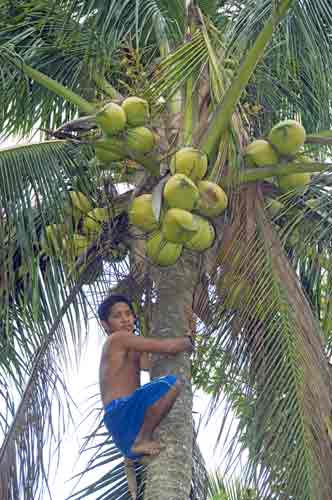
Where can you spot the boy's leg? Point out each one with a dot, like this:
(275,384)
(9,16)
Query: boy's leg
(144,443)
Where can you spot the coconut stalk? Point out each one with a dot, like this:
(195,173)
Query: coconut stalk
(223,114)
(262,173)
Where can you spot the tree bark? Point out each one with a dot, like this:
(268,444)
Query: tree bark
(169,474)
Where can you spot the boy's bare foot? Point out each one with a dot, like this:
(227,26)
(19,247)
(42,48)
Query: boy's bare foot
(146,448)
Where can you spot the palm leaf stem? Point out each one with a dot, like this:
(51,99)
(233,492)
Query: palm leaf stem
(261,173)
(106,87)
(54,86)
(225,110)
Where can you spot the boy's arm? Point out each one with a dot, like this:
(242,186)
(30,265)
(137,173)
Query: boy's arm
(169,345)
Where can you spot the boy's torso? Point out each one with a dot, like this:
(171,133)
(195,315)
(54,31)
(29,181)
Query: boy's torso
(119,372)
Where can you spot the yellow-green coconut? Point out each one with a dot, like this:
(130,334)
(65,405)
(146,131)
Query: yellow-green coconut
(203,238)
(212,199)
(76,245)
(137,111)
(181,192)
(161,251)
(52,240)
(93,220)
(274,206)
(294,182)
(287,137)
(178,225)
(191,162)
(140,140)
(109,150)
(141,213)
(80,201)
(259,154)
(111,119)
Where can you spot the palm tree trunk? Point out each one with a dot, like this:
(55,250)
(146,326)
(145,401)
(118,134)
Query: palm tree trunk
(169,475)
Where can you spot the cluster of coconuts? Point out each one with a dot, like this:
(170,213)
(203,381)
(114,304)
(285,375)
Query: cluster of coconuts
(123,131)
(83,226)
(188,203)
(284,142)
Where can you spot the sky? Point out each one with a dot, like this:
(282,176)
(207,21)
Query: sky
(82,383)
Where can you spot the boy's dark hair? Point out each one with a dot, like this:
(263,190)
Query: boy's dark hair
(105,307)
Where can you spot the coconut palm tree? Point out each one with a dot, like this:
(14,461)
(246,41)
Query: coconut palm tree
(216,74)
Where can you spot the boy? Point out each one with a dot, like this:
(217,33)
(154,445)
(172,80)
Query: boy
(132,412)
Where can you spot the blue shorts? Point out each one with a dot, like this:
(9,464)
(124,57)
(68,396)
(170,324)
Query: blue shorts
(124,417)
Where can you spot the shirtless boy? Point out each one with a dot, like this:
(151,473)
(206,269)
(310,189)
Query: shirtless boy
(132,412)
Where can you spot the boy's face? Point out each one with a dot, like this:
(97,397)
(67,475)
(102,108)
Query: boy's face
(120,318)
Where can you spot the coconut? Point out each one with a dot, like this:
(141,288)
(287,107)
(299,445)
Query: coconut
(51,241)
(212,200)
(141,213)
(191,162)
(181,192)
(93,220)
(76,245)
(80,201)
(287,137)
(162,252)
(274,206)
(203,238)
(235,290)
(108,150)
(111,119)
(259,154)
(312,203)
(294,238)
(294,182)
(178,225)
(137,111)
(140,140)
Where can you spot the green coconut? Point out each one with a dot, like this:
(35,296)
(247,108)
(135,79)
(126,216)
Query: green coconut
(141,213)
(212,199)
(178,225)
(312,203)
(181,192)
(191,162)
(76,245)
(274,206)
(80,201)
(111,119)
(140,140)
(161,251)
(294,238)
(92,222)
(203,238)
(109,150)
(260,154)
(137,111)
(287,137)
(295,182)
(52,240)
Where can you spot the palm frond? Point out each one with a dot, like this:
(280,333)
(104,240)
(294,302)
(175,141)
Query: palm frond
(294,77)
(221,489)
(268,344)
(113,484)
